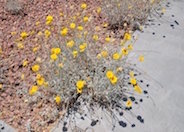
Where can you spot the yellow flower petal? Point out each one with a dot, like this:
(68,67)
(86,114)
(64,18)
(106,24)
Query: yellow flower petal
(33,90)
(58,99)
(141,58)
(116,56)
(64,31)
(133,81)
(53,57)
(35,68)
(80,84)
(138,89)
(109,74)
(128,103)
(83,5)
(72,25)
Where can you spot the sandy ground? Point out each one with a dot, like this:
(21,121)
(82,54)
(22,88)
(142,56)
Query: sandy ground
(163,48)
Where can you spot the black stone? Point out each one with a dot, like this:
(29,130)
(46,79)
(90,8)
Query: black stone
(147,85)
(153,33)
(123,124)
(176,22)
(82,118)
(164,36)
(2,128)
(93,123)
(121,113)
(132,98)
(141,100)
(145,92)
(142,120)
(133,125)
(141,81)
(65,129)
(64,123)
(139,117)
(124,99)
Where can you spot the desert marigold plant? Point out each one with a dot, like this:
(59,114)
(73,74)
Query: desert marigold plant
(80,65)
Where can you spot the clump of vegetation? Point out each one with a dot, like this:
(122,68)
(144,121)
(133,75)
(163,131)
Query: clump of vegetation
(72,63)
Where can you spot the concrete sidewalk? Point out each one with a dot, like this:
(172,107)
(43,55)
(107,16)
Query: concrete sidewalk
(162,44)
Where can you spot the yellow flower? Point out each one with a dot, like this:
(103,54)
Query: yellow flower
(97,28)
(64,31)
(128,103)
(37,23)
(1,86)
(109,74)
(72,25)
(124,51)
(82,47)
(46,84)
(95,37)
(35,49)
(104,53)
(141,58)
(1,50)
(60,65)
(119,69)
(33,90)
(20,45)
(113,80)
(38,59)
(133,81)
(25,62)
(80,84)
(53,57)
(105,25)
(55,51)
(38,76)
(127,36)
(163,10)
(22,76)
(99,9)
(23,35)
(137,89)
(39,33)
(47,33)
(58,100)
(13,33)
(83,5)
(40,81)
(107,39)
(85,33)
(99,56)
(131,73)
(80,28)
(85,19)
(35,68)
(32,32)
(130,47)
(61,14)
(70,43)
(75,53)
(116,56)
(79,91)
(118,5)
(49,19)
